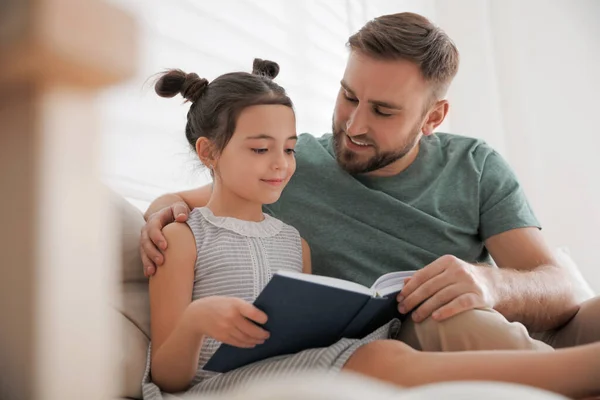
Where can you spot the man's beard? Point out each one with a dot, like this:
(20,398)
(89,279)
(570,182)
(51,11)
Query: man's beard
(350,162)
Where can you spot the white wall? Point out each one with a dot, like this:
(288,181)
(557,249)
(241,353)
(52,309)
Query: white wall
(529,84)
(146,151)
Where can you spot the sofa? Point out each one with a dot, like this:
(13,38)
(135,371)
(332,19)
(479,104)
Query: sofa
(133,306)
(134,311)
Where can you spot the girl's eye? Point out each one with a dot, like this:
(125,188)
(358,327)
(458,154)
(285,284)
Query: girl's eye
(259,151)
(290,151)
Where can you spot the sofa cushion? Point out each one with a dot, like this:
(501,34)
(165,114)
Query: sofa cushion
(132,358)
(133,303)
(132,221)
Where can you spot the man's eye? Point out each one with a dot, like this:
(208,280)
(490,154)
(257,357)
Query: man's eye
(259,151)
(382,114)
(351,99)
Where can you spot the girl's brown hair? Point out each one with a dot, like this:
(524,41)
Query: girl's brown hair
(216,106)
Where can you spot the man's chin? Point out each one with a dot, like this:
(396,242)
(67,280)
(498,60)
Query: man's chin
(352,164)
(350,161)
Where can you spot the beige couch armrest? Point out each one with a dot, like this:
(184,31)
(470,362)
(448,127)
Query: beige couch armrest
(133,303)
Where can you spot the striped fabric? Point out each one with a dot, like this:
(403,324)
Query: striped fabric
(237,258)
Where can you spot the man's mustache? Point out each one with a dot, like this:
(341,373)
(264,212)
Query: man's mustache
(361,138)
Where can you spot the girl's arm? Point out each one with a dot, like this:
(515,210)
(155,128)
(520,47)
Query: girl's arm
(306,265)
(176,343)
(178,324)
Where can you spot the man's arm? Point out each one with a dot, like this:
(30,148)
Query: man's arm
(529,286)
(163,211)
(192,198)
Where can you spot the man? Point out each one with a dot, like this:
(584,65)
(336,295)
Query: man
(384,193)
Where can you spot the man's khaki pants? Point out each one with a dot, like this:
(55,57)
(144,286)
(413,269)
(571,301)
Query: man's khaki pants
(486,329)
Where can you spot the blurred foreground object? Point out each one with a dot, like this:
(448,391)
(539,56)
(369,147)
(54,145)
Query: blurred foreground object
(348,386)
(57,252)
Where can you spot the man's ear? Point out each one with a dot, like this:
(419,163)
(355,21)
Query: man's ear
(435,117)
(206,152)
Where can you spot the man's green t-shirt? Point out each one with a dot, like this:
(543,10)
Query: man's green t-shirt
(457,193)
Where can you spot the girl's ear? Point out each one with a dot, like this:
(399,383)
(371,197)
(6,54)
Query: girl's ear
(205,151)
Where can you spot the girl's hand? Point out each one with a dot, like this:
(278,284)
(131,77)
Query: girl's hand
(229,320)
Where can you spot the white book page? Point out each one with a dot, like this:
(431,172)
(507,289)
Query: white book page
(390,283)
(327,281)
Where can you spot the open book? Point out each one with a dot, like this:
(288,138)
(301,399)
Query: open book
(310,311)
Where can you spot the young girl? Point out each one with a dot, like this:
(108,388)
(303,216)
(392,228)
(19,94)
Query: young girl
(242,126)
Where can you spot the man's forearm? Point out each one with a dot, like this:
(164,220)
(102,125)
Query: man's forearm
(541,299)
(192,198)
(162,202)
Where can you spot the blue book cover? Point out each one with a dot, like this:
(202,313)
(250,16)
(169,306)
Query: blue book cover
(310,311)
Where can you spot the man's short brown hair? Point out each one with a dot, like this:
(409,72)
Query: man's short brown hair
(411,37)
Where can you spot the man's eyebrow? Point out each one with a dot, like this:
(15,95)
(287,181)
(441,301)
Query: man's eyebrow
(380,103)
(385,104)
(268,137)
(346,87)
